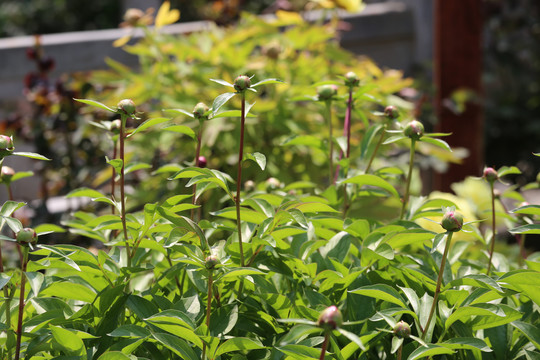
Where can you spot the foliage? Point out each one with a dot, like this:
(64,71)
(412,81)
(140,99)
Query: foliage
(298,267)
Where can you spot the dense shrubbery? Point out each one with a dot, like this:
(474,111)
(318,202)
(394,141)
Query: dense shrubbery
(249,228)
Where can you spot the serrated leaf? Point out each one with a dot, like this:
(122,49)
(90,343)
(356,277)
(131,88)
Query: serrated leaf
(96,104)
(258,158)
(31,155)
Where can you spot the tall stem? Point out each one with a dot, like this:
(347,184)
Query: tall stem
(409,176)
(324,344)
(346,132)
(24,260)
(494,228)
(113,183)
(208,307)
(197,164)
(331,180)
(379,143)
(122,185)
(522,253)
(439,282)
(239,177)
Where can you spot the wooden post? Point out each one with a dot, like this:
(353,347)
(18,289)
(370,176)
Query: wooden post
(458,65)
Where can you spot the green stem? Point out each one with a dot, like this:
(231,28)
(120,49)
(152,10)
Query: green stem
(331,179)
(522,253)
(409,176)
(208,307)
(239,178)
(113,183)
(325,344)
(197,164)
(439,282)
(493,229)
(379,143)
(24,260)
(122,190)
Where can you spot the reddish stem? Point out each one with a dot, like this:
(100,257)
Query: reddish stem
(324,345)
(239,178)
(122,193)
(24,260)
(494,228)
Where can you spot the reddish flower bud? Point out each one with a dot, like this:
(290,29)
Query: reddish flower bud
(351,79)
(330,318)
(31,53)
(452,221)
(7,174)
(326,92)
(211,261)
(490,174)
(27,236)
(46,64)
(242,83)
(6,146)
(414,130)
(199,110)
(391,112)
(202,161)
(402,330)
(126,107)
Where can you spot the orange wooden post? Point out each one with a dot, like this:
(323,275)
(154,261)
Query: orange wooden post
(458,65)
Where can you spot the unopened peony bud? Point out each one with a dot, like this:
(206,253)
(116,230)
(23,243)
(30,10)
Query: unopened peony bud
(452,221)
(326,92)
(402,330)
(211,261)
(414,130)
(7,174)
(242,83)
(391,112)
(126,107)
(199,110)
(490,174)
(351,79)
(202,161)
(27,236)
(6,146)
(330,318)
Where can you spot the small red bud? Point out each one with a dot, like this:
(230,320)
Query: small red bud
(46,64)
(402,330)
(330,318)
(202,161)
(126,107)
(452,221)
(31,53)
(414,130)
(326,92)
(242,83)
(391,112)
(490,174)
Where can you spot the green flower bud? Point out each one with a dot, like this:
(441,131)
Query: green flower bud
(490,174)
(6,146)
(27,236)
(242,83)
(326,92)
(391,112)
(211,261)
(402,330)
(330,318)
(115,126)
(351,79)
(126,107)
(452,221)
(199,110)
(7,174)
(414,130)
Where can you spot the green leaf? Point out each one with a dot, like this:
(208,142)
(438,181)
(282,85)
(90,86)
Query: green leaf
(10,207)
(114,355)
(68,341)
(307,140)
(181,129)
(84,192)
(179,111)
(117,164)
(236,274)
(530,331)
(130,331)
(258,158)
(381,292)
(21,175)
(177,345)
(231,113)
(393,139)
(35,279)
(526,229)
(437,142)
(372,180)
(4,279)
(31,155)
(267,81)
(312,207)
(222,82)
(238,344)
(96,104)
(430,350)
(505,170)
(351,336)
(528,210)
(245,214)
(148,123)
(186,224)
(176,323)
(69,290)
(300,352)
(467,343)
(220,101)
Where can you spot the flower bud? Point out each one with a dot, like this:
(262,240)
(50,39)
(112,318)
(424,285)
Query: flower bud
(202,161)
(7,174)
(242,83)
(211,261)
(116,125)
(273,183)
(133,16)
(27,236)
(326,92)
(452,221)
(126,107)
(391,112)
(402,330)
(6,146)
(330,318)
(46,64)
(414,130)
(249,185)
(351,79)
(490,174)
(199,110)
(272,50)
